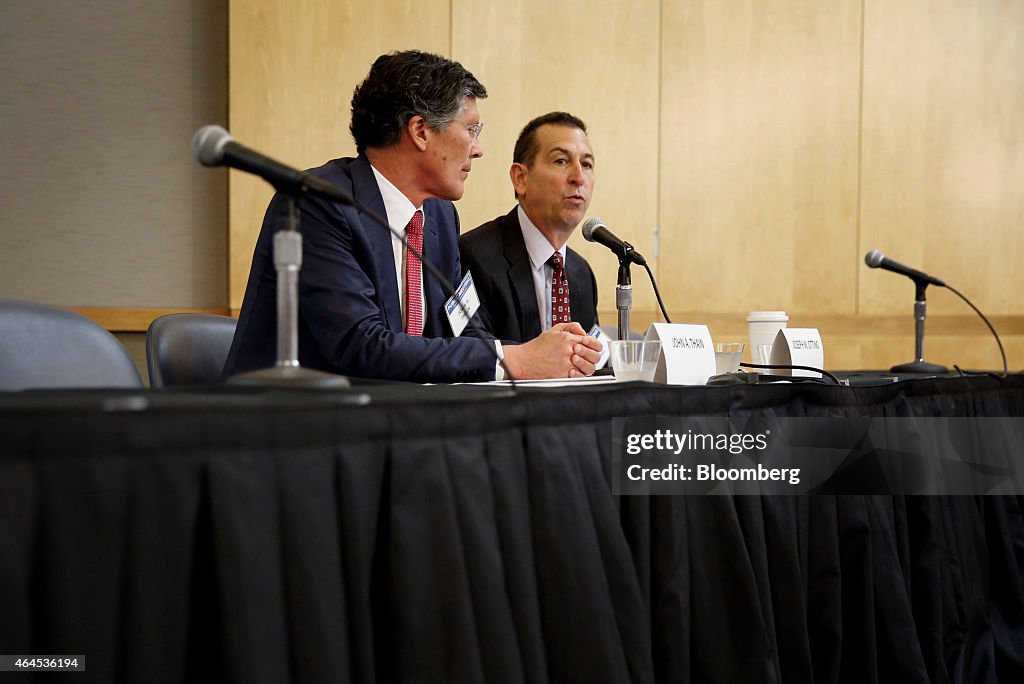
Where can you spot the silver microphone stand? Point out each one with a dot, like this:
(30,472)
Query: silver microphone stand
(919,365)
(624,297)
(288,262)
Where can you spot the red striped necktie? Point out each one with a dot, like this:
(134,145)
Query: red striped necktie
(413,276)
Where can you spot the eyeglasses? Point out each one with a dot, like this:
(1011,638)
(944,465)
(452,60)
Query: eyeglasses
(474,129)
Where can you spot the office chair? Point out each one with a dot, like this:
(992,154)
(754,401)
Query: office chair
(46,347)
(188,349)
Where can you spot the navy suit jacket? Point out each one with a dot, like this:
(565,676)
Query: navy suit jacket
(495,253)
(350,316)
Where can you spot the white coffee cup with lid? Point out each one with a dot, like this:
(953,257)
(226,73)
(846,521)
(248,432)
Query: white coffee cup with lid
(762,327)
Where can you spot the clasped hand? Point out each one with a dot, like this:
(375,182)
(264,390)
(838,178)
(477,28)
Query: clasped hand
(564,351)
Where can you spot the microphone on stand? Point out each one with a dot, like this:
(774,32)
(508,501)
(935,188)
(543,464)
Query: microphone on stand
(213,146)
(875,259)
(594,230)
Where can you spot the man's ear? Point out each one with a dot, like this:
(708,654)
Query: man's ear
(417,130)
(517,173)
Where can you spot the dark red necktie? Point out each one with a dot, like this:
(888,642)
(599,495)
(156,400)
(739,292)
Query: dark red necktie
(559,291)
(413,276)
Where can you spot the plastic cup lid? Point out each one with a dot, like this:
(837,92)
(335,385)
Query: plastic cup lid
(759,316)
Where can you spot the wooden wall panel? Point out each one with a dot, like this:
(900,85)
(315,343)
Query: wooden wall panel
(943,151)
(773,143)
(880,342)
(969,353)
(597,62)
(293,67)
(759,155)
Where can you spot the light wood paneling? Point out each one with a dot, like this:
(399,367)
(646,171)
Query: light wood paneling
(293,67)
(943,150)
(125,319)
(597,61)
(874,342)
(759,155)
(968,353)
(773,142)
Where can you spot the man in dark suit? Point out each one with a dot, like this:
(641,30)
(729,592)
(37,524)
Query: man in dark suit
(520,261)
(367,308)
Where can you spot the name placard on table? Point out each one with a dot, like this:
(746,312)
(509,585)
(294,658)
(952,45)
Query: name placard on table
(798,347)
(687,355)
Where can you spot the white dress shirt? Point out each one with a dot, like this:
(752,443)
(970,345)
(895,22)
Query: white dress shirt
(540,250)
(399,212)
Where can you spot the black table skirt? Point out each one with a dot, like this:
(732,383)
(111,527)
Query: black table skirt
(458,534)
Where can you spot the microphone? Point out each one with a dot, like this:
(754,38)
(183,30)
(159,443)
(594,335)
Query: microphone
(213,146)
(594,230)
(875,259)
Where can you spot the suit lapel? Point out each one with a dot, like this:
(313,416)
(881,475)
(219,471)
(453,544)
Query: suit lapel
(520,276)
(364,187)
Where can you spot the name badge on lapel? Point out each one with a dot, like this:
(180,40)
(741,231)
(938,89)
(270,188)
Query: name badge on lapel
(458,316)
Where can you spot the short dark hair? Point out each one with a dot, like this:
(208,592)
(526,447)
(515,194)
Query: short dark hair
(526,144)
(402,85)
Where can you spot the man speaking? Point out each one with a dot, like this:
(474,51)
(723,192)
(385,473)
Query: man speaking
(527,278)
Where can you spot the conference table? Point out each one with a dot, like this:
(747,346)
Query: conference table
(397,532)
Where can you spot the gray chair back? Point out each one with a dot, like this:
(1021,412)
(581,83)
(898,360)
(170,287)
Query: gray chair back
(188,349)
(46,347)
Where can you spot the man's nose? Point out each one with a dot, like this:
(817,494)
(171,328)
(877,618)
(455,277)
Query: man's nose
(576,173)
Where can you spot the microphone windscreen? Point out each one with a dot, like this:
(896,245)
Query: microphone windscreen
(874,258)
(208,145)
(589,226)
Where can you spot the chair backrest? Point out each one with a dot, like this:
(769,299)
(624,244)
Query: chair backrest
(46,347)
(188,349)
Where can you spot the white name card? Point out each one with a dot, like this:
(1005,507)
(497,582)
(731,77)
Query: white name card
(687,355)
(798,347)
